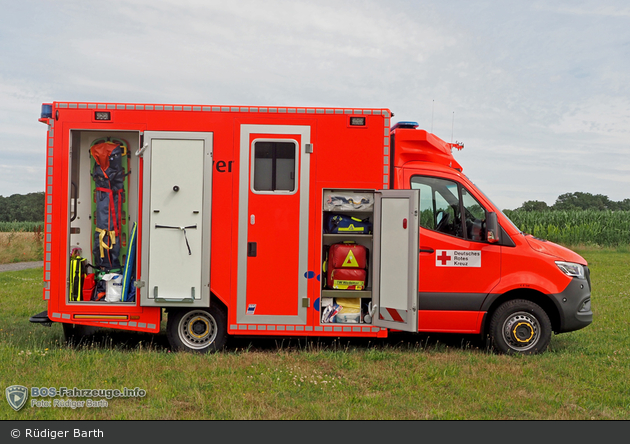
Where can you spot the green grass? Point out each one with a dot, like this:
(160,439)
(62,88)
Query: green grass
(583,376)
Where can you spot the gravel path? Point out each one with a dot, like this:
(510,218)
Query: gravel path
(20,266)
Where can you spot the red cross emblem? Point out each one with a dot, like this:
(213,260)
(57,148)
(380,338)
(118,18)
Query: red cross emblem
(444,258)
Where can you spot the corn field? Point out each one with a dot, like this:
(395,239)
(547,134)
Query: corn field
(29,227)
(576,227)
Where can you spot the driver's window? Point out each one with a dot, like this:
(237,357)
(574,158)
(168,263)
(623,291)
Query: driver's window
(439,205)
(475,217)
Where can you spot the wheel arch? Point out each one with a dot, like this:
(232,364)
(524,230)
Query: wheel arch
(535,296)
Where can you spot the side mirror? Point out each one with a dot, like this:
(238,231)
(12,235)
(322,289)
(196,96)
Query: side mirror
(492,228)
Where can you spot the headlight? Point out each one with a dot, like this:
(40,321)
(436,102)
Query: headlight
(571,269)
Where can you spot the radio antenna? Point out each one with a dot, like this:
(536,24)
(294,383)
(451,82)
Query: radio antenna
(453,127)
(432,109)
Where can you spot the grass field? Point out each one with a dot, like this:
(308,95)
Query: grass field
(584,375)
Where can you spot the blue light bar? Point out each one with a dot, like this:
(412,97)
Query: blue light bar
(46,111)
(405,124)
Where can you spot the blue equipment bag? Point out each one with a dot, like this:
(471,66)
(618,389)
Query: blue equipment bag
(341,223)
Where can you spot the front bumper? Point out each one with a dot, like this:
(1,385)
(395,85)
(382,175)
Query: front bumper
(574,304)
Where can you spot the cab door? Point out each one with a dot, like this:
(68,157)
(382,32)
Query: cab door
(458,267)
(395,276)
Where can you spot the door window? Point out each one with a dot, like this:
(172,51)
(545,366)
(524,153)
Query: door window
(274,166)
(442,203)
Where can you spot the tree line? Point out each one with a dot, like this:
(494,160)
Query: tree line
(577,201)
(22,207)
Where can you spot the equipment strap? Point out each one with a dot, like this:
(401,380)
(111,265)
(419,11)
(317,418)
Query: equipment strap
(101,237)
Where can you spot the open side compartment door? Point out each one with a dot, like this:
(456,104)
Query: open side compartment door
(395,274)
(176,199)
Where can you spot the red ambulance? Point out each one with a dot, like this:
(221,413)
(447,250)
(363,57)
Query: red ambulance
(285,221)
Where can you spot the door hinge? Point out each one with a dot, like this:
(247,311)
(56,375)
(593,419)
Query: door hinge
(138,284)
(306,302)
(308,148)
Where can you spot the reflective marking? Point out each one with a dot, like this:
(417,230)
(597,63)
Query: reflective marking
(142,325)
(56,315)
(65,316)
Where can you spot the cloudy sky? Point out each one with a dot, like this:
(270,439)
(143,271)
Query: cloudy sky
(538,91)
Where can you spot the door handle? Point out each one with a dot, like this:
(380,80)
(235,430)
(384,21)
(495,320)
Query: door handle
(426,250)
(252,249)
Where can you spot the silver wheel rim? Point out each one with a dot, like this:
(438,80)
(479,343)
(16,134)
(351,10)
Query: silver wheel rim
(197,329)
(521,331)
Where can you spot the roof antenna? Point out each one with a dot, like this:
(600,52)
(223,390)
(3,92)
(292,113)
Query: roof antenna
(453,127)
(432,109)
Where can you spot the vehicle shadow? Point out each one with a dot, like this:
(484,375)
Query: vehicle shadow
(133,341)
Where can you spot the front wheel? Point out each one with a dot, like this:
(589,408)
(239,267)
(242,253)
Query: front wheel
(199,330)
(520,326)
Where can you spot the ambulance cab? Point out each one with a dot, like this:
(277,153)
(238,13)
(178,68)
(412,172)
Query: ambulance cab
(477,271)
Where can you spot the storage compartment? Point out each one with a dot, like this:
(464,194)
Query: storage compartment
(103,206)
(347,218)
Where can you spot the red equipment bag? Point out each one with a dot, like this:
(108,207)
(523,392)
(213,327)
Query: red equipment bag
(88,287)
(347,278)
(346,266)
(347,255)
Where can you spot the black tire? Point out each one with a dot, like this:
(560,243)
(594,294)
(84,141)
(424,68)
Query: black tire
(520,326)
(199,330)
(75,334)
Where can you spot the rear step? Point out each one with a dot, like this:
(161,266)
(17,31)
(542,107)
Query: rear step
(41,318)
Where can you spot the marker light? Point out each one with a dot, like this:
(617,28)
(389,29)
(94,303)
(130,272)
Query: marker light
(571,269)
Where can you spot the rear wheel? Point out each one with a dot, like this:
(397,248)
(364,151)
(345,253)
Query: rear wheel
(199,330)
(520,326)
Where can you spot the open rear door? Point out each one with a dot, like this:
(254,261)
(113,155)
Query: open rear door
(395,274)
